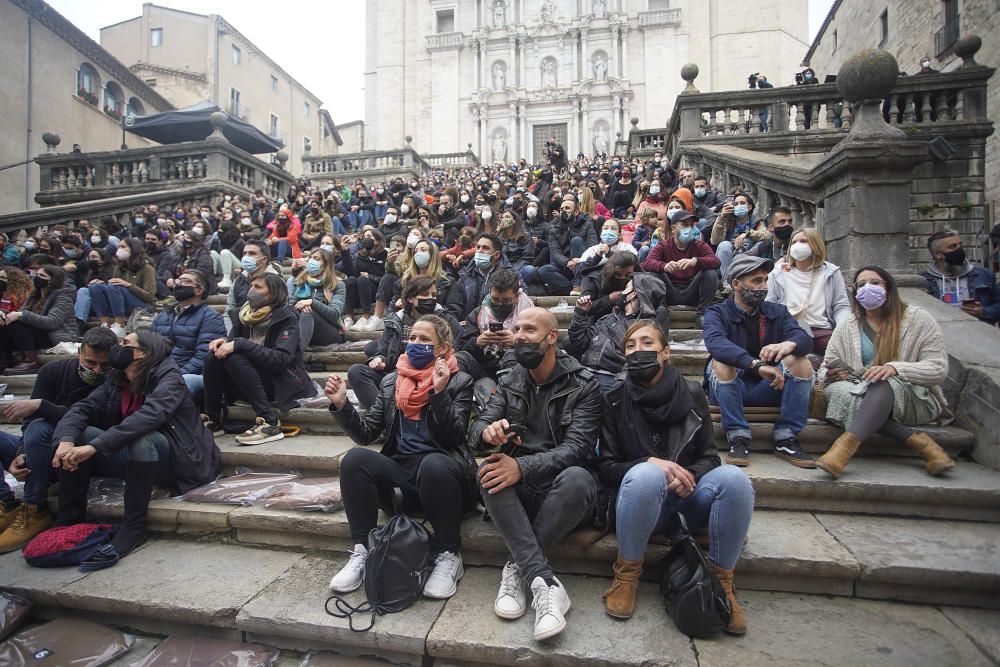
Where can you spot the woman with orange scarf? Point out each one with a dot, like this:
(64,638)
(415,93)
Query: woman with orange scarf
(422,409)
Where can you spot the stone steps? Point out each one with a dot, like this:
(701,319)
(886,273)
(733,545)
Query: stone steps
(277,597)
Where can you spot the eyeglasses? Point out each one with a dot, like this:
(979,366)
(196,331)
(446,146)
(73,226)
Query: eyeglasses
(874,281)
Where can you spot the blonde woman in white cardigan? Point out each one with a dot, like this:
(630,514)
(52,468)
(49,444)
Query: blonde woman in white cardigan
(884,366)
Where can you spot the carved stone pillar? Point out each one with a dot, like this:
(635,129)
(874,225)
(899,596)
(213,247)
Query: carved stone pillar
(615,112)
(587,134)
(485,147)
(623,70)
(512,65)
(613,65)
(484,65)
(512,123)
(588,67)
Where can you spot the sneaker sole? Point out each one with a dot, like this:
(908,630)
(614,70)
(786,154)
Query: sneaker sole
(454,588)
(798,463)
(510,616)
(552,632)
(828,470)
(270,438)
(346,590)
(737,462)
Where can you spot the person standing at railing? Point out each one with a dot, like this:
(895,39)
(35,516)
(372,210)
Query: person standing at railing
(763,84)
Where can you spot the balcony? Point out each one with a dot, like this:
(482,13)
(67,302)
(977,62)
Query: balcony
(660,17)
(374,165)
(946,36)
(444,41)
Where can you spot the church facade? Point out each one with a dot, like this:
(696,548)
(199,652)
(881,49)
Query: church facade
(505,75)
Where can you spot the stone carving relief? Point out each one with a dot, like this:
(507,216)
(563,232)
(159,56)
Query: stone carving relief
(549,76)
(499,14)
(601,139)
(499,147)
(600,66)
(547,15)
(600,8)
(499,75)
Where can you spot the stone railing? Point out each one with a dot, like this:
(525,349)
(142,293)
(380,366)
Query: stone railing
(403,162)
(660,17)
(452,160)
(74,177)
(444,41)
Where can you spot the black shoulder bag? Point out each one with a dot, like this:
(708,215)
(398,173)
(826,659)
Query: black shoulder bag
(691,592)
(399,562)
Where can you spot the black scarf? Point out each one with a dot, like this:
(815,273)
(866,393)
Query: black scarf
(646,412)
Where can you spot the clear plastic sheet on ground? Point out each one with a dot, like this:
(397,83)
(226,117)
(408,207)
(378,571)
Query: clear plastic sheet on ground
(694,345)
(203,652)
(241,489)
(13,612)
(15,486)
(562,307)
(65,641)
(108,493)
(308,494)
(319,659)
(64,348)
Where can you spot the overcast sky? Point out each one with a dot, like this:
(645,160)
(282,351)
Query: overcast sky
(325,52)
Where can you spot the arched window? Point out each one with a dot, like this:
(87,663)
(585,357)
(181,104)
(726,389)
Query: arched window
(135,107)
(114,99)
(88,83)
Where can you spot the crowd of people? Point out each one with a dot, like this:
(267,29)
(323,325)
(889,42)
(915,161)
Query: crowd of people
(593,429)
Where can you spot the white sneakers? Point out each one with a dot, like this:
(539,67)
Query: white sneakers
(375,323)
(352,574)
(443,581)
(348,322)
(118,330)
(551,604)
(360,324)
(441,584)
(226,282)
(510,602)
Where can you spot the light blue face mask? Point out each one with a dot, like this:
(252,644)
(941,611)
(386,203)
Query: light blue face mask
(422,258)
(673,213)
(314,267)
(249,264)
(483,259)
(688,234)
(699,192)
(741,210)
(609,237)
(327,246)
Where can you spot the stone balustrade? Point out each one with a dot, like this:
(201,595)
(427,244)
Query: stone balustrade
(384,165)
(452,160)
(660,17)
(74,177)
(444,41)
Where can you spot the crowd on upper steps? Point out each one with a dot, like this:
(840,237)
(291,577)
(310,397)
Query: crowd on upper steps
(476,394)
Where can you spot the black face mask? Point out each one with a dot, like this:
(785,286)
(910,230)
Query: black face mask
(565,216)
(315,211)
(40,283)
(121,356)
(151,247)
(783,233)
(426,305)
(956,257)
(368,244)
(491,199)
(3,285)
(530,355)
(503,311)
(617,285)
(642,366)
(187,245)
(752,297)
(183,292)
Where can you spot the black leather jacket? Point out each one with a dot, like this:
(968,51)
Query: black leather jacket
(573,406)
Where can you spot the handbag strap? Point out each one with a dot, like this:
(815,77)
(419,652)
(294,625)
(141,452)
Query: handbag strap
(346,610)
(397,501)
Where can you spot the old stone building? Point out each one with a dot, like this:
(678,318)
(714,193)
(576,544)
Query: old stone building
(910,31)
(192,57)
(56,79)
(504,75)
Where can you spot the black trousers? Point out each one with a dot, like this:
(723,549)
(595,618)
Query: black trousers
(19,336)
(236,378)
(435,484)
(360,294)
(386,288)
(699,292)
(365,381)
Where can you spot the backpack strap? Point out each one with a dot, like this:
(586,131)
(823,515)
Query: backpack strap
(397,501)
(346,610)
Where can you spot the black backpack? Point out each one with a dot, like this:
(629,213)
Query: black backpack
(399,561)
(691,592)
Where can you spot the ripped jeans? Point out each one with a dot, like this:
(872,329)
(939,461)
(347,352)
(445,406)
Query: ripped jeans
(753,391)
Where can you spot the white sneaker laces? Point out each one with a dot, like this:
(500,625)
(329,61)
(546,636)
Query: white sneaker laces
(444,564)
(543,601)
(510,584)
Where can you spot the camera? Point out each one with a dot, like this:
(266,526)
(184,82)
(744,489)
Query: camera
(805,76)
(752,79)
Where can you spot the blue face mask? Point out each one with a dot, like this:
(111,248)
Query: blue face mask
(70,252)
(673,213)
(741,210)
(688,234)
(314,267)
(610,237)
(249,264)
(483,259)
(699,192)
(421,355)
(140,221)
(327,246)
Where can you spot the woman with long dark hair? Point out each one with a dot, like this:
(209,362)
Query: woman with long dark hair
(45,319)
(142,426)
(885,365)
(318,296)
(132,286)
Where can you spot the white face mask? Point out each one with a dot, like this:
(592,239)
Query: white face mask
(390,218)
(404,209)
(487,214)
(532,212)
(800,251)
(412,241)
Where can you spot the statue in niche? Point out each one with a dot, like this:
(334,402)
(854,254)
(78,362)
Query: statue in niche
(499,148)
(548,13)
(499,14)
(600,8)
(549,79)
(600,141)
(600,69)
(499,76)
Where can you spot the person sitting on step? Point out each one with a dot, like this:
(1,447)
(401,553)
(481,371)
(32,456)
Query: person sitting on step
(657,452)
(686,264)
(44,320)
(318,295)
(810,287)
(132,286)
(885,366)
(597,344)
(542,423)
(469,290)
(256,261)
(601,290)
(420,297)
(569,237)
(28,458)
(190,325)
(421,411)
(757,358)
(369,267)
(736,230)
(487,344)
(260,362)
(598,255)
(140,425)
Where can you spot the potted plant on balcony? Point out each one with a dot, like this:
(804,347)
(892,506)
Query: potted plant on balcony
(111,111)
(87,96)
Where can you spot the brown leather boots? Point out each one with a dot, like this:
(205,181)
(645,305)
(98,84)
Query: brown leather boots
(619,599)
(737,622)
(840,452)
(935,458)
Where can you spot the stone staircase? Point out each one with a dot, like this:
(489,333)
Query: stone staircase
(836,565)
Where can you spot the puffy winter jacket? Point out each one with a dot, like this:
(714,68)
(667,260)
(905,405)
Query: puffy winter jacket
(190,332)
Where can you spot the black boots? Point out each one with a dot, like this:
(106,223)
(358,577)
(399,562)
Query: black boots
(73,487)
(140,476)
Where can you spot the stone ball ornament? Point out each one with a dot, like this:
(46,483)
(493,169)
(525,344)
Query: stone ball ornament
(868,74)
(966,48)
(217,120)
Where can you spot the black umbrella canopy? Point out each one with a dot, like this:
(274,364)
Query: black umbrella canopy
(192,124)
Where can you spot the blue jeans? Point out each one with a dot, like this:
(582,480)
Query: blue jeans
(284,250)
(725,252)
(82,306)
(338,226)
(555,280)
(529,274)
(8,452)
(604,381)
(763,119)
(196,385)
(746,390)
(114,301)
(150,448)
(721,503)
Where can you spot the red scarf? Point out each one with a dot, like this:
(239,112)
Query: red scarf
(413,385)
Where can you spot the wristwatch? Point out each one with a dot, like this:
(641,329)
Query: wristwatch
(756,364)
